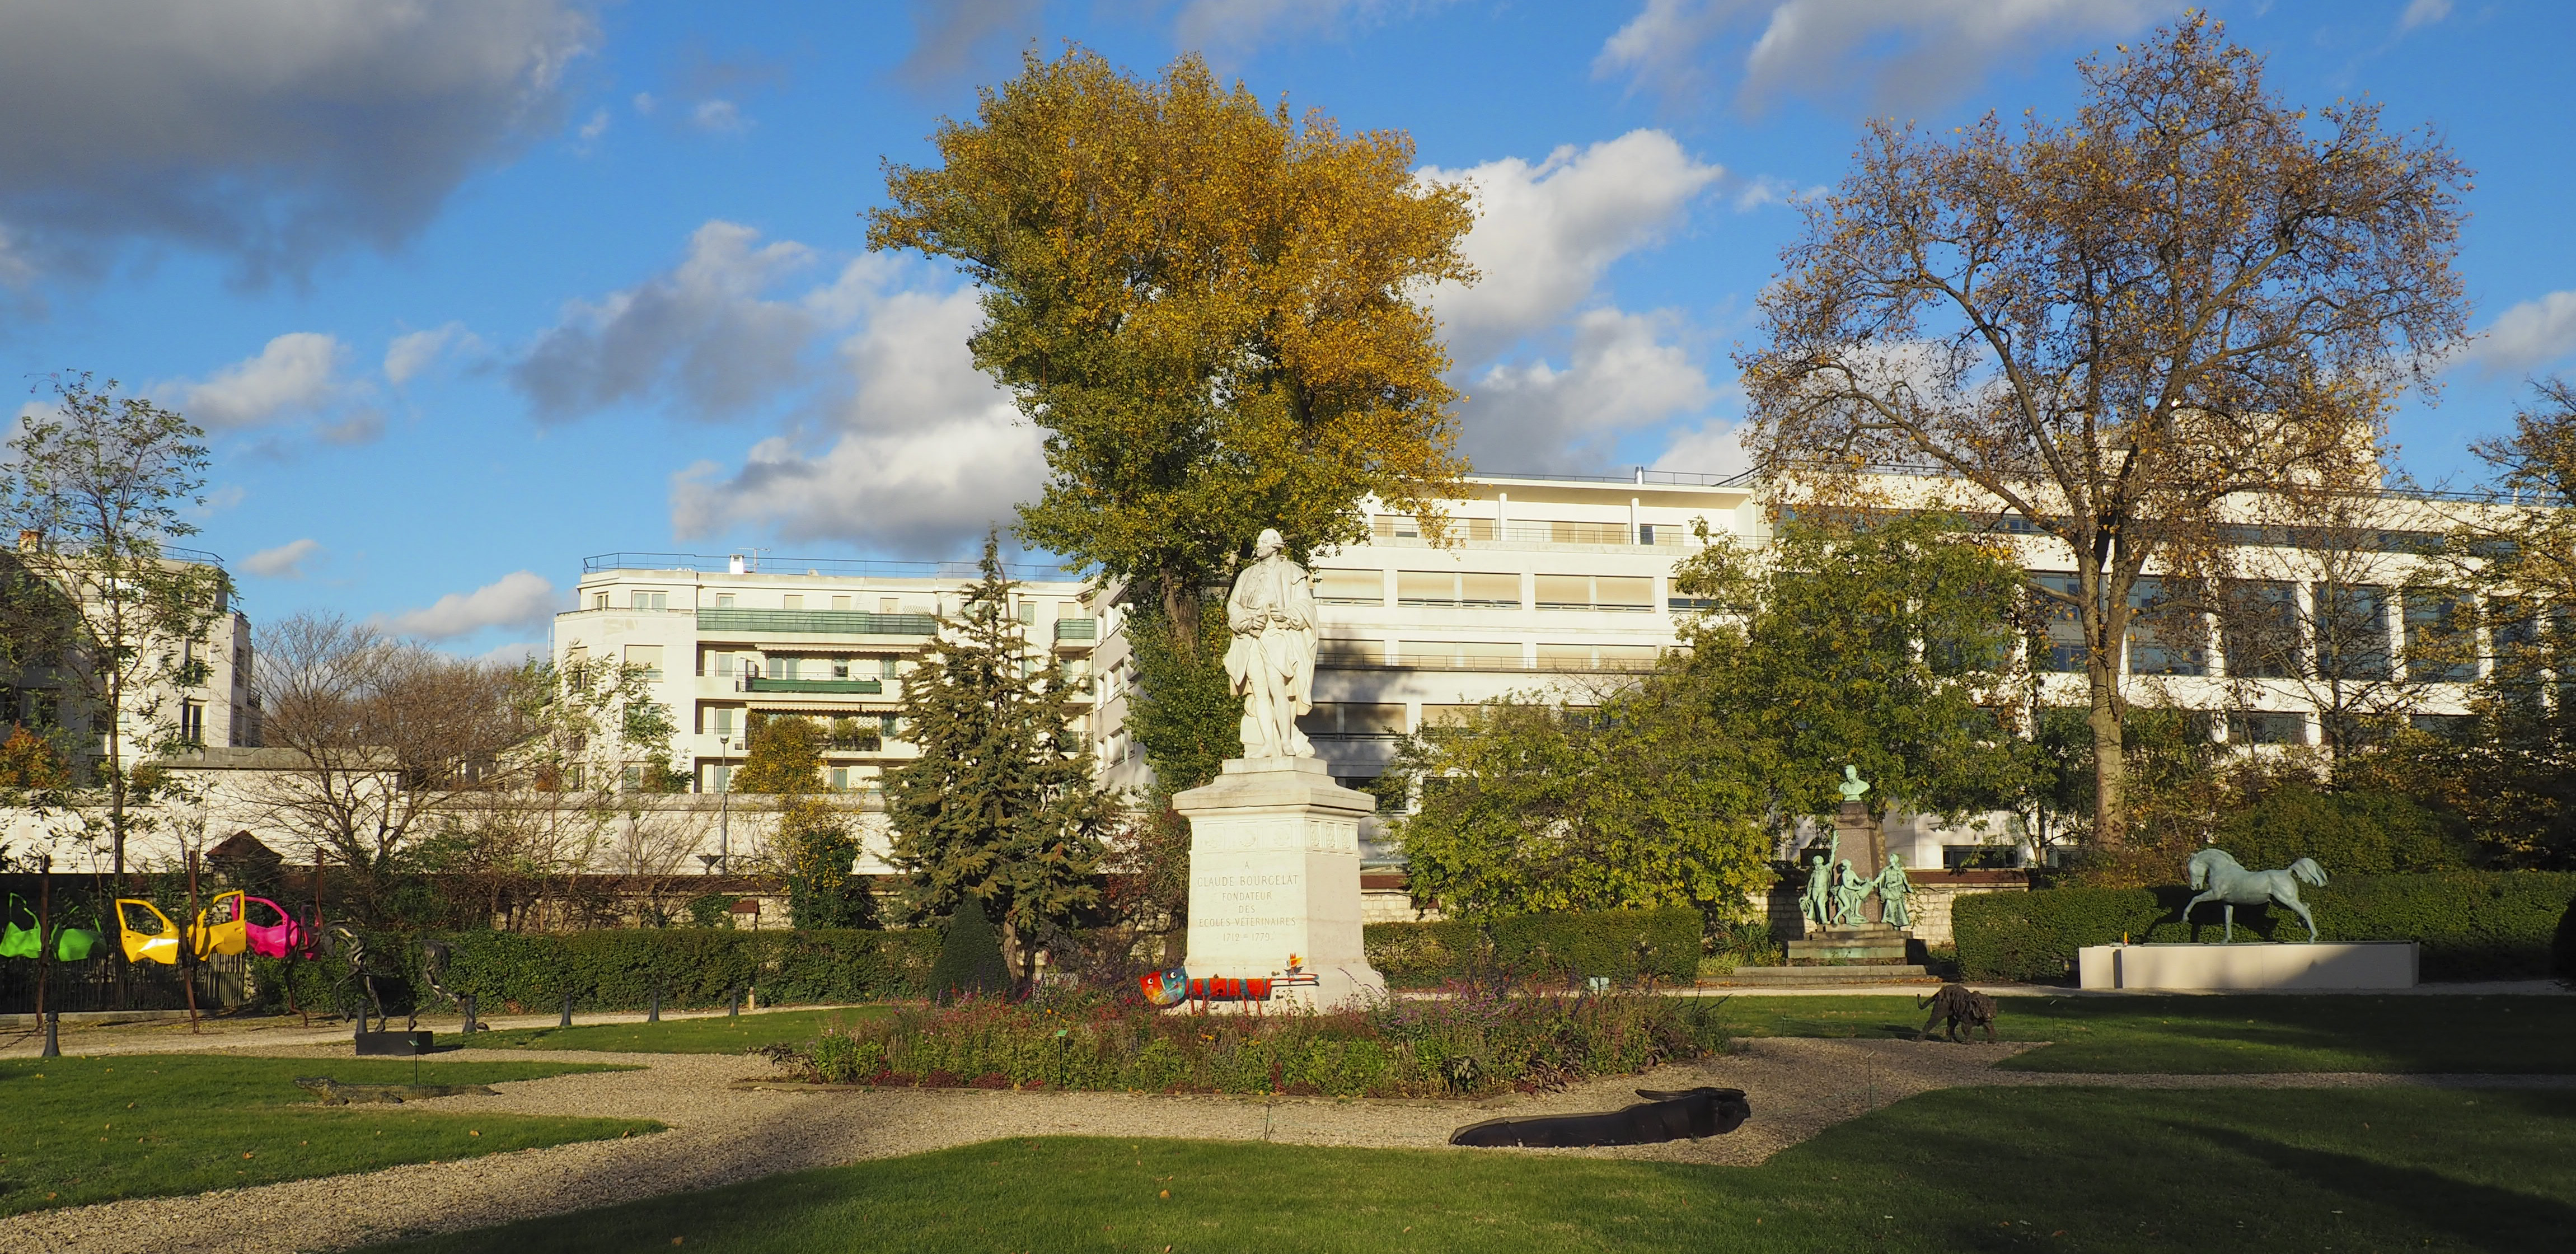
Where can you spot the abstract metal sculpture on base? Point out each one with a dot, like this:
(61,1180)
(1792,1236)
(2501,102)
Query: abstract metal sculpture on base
(2231,885)
(1962,1006)
(1672,1116)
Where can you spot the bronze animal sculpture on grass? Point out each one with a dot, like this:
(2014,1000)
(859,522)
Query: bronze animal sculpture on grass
(2230,884)
(1962,1006)
(1663,1116)
(332,1092)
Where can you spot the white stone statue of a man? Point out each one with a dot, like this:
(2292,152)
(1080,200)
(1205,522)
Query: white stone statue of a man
(1271,663)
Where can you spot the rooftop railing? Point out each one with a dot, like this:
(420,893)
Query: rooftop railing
(763,564)
(818,622)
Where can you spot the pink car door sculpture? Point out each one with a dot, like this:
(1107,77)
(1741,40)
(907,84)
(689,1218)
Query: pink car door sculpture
(281,939)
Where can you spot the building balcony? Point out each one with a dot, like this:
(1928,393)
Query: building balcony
(758,683)
(1076,630)
(815,622)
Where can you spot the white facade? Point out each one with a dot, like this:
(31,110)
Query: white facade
(1560,587)
(724,637)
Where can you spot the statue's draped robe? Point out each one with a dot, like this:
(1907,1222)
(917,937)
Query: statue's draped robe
(1270,661)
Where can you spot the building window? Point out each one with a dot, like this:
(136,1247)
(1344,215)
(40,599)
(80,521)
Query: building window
(840,605)
(719,777)
(2351,625)
(647,656)
(2257,727)
(791,601)
(599,600)
(2166,633)
(2258,625)
(885,668)
(2441,643)
(840,779)
(782,668)
(643,600)
(192,722)
(2059,648)
(720,721)
(724,600)
(840,668)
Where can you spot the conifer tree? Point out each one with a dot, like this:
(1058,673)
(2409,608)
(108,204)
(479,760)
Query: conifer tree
(970,957)
(1000,805)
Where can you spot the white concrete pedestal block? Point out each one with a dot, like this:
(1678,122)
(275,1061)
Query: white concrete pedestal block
(2249,965)
(1275,871)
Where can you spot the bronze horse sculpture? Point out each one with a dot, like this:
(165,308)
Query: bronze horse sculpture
(2218,877)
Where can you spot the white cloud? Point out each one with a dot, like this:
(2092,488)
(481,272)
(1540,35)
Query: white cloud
(952,36)
(918,456)
(273,130)
(1546,233)
(700,338)
(721,116)
(594,127)
(2529,335)
(644,103)
(286,561)
(1904,52)
(514,654)
(2423,13)
(1713,448)
(1238,26)
(415,351)
(292,377)
(1622,376)
(519,599)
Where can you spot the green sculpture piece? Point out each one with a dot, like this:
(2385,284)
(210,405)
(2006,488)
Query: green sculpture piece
(1852,786)
(1816,901)
(1850,890)
(2230,884)
(1895,893)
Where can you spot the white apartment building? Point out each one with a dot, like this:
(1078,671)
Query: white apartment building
(221,711)
(728,636)
(1560,585)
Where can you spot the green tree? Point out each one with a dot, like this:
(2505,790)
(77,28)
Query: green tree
(816,846)
(970,962)
(1527,807)
(785,759)
(1184,714)
(999,806)
(1212,309)
(102,483)
(2111,328)
(1885,644)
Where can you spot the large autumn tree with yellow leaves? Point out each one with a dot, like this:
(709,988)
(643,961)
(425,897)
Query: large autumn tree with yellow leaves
(2114,331)
(1211,306)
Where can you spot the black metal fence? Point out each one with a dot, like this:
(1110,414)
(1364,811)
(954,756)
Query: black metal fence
(108,983)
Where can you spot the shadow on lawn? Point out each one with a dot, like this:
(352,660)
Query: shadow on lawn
(2481,1215)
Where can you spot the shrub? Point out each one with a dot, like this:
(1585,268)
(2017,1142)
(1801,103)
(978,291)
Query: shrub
(1629,946)
(2353,832)
(2472,925)
(1465,1045)
(622,969)
(970,956)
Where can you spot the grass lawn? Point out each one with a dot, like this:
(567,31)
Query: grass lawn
(720,1034)
(1963,1169)
(81,1130)
(2235,1033)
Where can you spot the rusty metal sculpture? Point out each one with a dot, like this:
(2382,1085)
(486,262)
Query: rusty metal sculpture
(1663,1116)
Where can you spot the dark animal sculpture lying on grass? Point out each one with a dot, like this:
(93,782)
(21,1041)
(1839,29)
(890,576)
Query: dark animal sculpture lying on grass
(1961,1005)
(332,1092)
(1691,1113)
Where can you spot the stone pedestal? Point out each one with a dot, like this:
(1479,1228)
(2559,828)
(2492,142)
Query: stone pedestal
(1875,944)
(1859,840)
(1275,872)
(2249,965)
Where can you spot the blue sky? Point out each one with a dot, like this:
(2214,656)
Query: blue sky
(466,290)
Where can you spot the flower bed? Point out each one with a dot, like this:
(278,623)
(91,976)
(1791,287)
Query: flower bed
(1466,1045)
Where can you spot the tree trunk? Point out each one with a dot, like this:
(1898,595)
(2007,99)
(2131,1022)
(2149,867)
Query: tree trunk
(1181,610)
(2110,763)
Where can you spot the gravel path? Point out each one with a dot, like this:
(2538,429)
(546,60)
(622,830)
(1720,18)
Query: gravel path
(721,1133)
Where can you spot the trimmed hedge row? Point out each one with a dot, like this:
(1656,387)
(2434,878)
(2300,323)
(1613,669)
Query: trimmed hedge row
(621,969)
(2472,925)
(1629,946)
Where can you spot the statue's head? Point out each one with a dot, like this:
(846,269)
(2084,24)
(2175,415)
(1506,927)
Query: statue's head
(1269,543)
(1851,772)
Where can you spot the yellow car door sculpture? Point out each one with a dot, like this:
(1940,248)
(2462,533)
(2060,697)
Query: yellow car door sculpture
(223,927)
(160,943)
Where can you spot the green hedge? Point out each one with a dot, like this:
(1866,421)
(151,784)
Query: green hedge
(1626,945)
(511,972)
(2473,925)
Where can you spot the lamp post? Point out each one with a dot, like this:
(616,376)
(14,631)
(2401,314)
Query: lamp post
(724,799)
